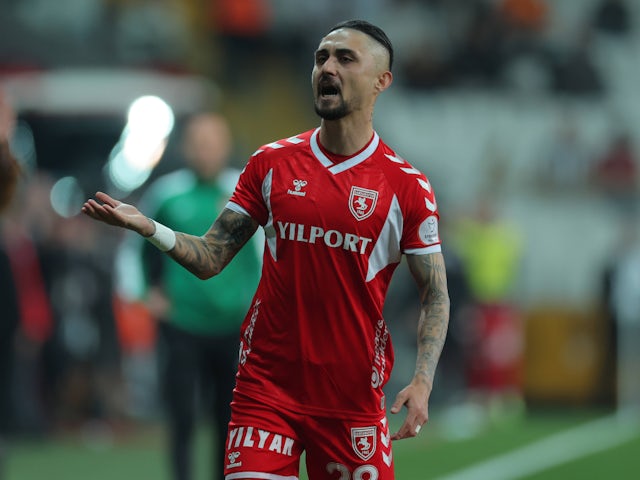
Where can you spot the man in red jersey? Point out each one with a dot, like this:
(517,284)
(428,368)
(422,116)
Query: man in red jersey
(339,208)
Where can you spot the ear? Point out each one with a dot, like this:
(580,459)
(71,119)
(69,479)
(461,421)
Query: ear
(383,81)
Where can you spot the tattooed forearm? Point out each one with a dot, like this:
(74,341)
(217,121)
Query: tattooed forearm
(207,255)
(430,275)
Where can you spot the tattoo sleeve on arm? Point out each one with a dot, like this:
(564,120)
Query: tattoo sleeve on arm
(430,275)
(207,255)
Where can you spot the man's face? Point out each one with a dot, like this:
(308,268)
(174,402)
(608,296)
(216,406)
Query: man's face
(347,65)
(206,145)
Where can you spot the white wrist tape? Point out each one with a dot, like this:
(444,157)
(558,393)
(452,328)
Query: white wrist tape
(164,238)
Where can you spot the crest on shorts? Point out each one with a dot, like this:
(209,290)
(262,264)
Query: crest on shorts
(362,202)
(363,441)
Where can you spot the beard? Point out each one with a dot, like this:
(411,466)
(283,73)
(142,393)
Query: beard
(332,113)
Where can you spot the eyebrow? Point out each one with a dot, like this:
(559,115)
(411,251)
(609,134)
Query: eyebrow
(339,51)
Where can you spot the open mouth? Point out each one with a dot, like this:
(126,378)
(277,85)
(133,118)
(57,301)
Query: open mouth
(328,91)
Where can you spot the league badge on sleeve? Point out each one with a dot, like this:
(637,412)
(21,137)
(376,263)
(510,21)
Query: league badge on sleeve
(362,202)
(429,230)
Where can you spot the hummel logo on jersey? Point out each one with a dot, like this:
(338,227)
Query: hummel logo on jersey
(298,185)
(233,460)
(362,202)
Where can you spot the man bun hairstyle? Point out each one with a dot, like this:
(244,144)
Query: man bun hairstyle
(369,29)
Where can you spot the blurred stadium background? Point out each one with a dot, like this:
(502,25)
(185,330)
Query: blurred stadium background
(525,114)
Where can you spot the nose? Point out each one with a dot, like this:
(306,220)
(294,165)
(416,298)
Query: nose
(330,65)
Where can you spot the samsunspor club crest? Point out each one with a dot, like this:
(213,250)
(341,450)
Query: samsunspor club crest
(363,441)
(362,202)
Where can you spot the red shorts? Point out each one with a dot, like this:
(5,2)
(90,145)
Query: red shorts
(265,443)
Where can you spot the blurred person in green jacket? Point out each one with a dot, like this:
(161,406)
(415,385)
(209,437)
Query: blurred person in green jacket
(198,322)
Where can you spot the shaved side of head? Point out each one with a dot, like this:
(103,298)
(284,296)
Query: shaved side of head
(376,34)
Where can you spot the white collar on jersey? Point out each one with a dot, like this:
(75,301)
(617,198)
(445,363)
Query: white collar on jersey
(347,164)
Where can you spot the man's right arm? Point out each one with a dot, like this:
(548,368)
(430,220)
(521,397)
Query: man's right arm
(207,255)
(204,256)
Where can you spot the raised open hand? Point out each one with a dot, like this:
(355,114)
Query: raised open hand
(114,212)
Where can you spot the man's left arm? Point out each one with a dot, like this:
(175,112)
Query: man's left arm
(430,275)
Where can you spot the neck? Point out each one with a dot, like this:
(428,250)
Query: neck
(344,136)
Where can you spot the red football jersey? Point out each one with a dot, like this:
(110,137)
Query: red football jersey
(314,340)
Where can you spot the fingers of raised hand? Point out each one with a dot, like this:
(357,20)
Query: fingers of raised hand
(107,200)
(99,212)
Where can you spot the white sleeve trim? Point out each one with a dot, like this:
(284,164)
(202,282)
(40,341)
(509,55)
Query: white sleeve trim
(236,208)
(424,251)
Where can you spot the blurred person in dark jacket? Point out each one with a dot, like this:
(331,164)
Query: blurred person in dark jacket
(613,17)
(9,167)
(615,172)
(9,173)
(28,325)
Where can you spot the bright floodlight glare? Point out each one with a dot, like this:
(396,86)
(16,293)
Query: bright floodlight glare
(125,176)
(150,114)
(149,122)
(66,197)
(142,152)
